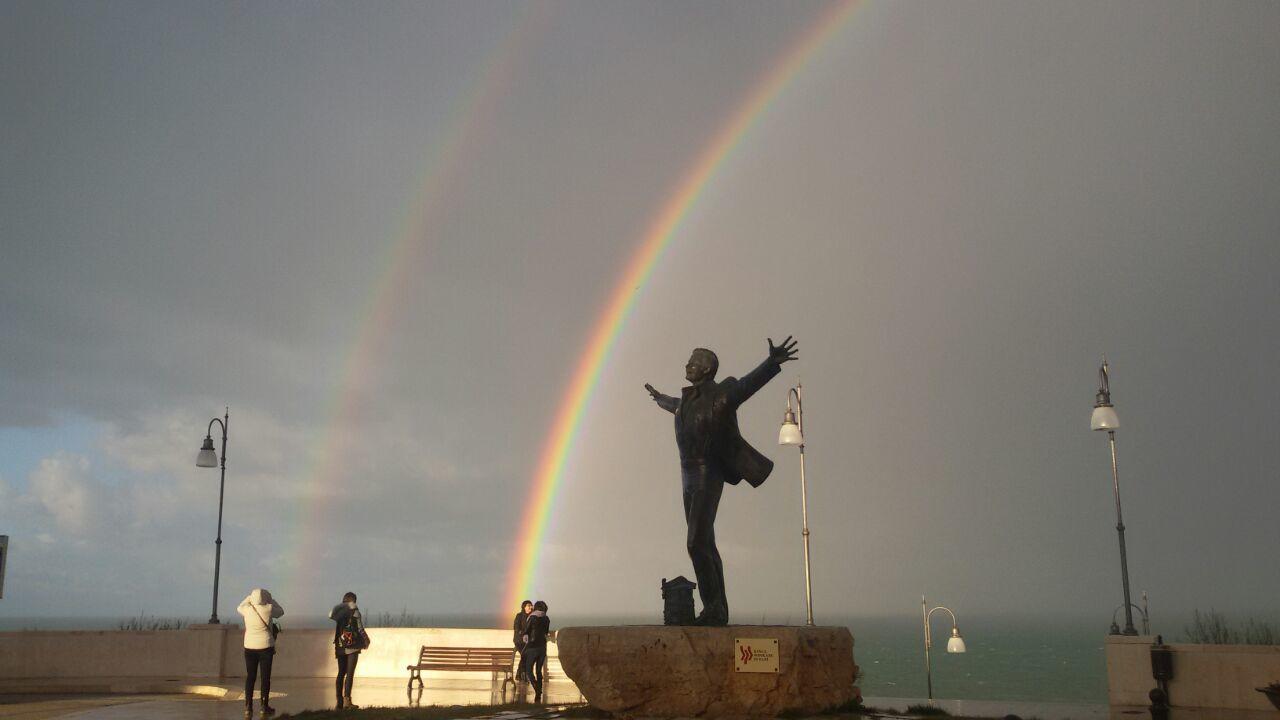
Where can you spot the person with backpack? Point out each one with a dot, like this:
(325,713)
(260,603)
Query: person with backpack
(349,638)
(259,610)
(534,656)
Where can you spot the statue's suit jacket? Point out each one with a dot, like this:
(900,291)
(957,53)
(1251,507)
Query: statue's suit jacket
(725,444)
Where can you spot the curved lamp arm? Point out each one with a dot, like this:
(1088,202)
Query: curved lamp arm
(1120,607)
(795,391)
(209,457)
(928,636)
(209,432)
(1115,626)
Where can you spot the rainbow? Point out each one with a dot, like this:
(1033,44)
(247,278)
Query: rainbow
(377,318)
(661,230)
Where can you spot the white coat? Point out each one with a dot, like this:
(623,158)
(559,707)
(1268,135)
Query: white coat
(258,609)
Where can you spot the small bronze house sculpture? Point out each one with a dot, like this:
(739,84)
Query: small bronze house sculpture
(677,597)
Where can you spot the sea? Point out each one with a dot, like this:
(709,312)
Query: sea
(1036,659)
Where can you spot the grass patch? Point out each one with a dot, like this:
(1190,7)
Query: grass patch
(444,712)
(927,711)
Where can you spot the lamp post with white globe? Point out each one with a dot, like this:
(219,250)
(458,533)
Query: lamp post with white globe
(1104,418)
(792,433)
(208,458)
(955,643)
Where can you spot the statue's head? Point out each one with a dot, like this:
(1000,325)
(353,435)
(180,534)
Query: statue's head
(702,365)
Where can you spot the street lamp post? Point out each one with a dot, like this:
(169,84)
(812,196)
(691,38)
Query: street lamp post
(1104,418)
(792,433)
(209,458)
(955,644)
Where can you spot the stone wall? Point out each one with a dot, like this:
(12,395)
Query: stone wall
(1204,676)
(216,651)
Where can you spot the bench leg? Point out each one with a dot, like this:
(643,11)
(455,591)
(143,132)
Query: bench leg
(415,675)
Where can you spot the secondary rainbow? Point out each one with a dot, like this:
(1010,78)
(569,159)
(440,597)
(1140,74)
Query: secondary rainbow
(564,429)
(402,262)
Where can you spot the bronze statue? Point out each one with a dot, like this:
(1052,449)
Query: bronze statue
(712,453)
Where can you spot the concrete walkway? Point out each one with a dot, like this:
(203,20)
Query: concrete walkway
(225,701)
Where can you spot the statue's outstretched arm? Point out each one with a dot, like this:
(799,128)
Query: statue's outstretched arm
(747,386)
(666,402)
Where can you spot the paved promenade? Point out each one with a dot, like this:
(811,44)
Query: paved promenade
(224,701)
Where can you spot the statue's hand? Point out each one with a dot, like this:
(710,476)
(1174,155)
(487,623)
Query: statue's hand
(782,352)
(652,392)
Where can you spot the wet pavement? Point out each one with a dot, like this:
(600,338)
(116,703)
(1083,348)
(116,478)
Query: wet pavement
(225,701)
(288,696)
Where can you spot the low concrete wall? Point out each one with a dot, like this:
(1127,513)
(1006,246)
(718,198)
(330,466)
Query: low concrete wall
(216,651)
(89,654)
(1205,676)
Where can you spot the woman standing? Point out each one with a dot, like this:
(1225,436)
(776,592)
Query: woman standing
(517,628)
(534,656)
(258,610)
(349,638)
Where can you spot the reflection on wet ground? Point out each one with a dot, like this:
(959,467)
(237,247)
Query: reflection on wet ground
(293,695)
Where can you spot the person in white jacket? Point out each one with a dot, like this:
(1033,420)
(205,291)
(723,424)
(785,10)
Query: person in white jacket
(258,610)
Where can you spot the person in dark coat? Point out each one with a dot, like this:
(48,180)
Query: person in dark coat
(534,656)
(517,629)
(712,453)
(346,616)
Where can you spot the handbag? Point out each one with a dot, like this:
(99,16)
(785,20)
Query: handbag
(353,636)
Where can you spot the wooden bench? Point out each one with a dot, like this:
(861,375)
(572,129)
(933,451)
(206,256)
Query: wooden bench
(463,659)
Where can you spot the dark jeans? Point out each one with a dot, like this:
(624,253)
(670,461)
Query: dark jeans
(254,659)
(346,669)
(532,661)
(703,484)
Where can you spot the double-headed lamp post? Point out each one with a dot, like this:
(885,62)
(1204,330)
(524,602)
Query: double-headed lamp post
(209,458)
(792,433)
(955,644)
(1104,418)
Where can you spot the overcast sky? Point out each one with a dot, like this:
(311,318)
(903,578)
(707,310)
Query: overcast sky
(956,208)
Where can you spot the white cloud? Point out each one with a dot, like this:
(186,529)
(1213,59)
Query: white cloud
(60,486)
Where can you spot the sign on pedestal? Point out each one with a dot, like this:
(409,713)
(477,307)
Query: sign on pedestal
(756,655)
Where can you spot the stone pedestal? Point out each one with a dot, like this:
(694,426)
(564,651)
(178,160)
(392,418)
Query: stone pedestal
(671,671)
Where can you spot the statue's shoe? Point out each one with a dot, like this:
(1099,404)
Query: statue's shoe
(712,619)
